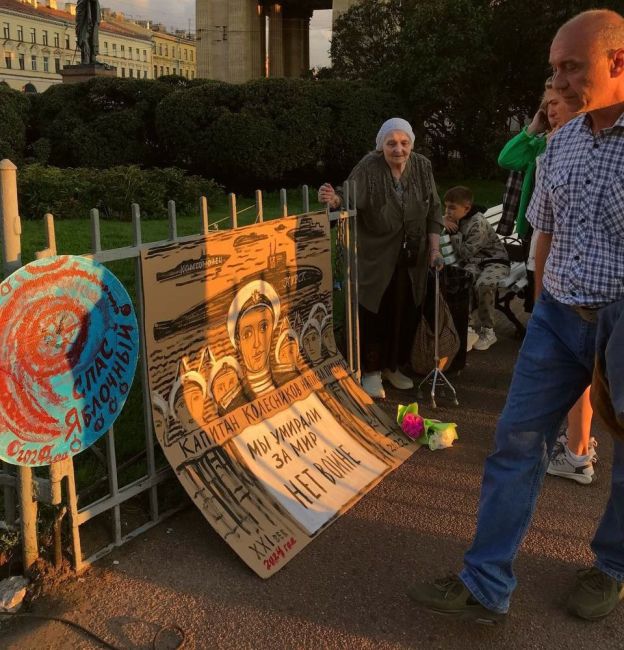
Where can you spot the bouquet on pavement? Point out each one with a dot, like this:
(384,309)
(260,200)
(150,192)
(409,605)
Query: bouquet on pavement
(433,433)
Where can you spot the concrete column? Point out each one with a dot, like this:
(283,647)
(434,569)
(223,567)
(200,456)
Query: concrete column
(276,50)
(242,40)
(259,43)
(217,35)
(306,44)
(293,46)
(203,21)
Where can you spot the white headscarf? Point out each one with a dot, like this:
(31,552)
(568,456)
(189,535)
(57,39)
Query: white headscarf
(393,124)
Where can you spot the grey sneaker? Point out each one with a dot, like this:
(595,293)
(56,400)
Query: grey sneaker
(451,597)
(561,464)
(594,595)
(472,338)
(486,339)
(371,383)
(562,442)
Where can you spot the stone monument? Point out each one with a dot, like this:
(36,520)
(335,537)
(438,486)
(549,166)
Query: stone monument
(88,18)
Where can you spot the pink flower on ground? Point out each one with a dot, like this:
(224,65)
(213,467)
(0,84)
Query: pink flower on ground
(413,426)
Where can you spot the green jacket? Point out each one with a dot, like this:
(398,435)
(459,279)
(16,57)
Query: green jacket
(520,154)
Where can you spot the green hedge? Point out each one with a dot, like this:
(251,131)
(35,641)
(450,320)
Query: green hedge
(271,132)
(262,134)
(14,115)
(70,193)
(102,123)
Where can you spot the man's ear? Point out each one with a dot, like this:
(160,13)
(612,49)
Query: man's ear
(617,63)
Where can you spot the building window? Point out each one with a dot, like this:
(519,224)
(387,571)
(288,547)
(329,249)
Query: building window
(167,69)
(114,49)
(6,30)
(123,51)
(8,60)
(186,55)
(46,64)
(57,40)
(22,62)
(20,33)
(144,55)
(131,72)
(123,70)
(160,50)
(144,74)
(33,62)
(57,66)
(166,50)
(161,71)
(138,54)
(67,43)
(44,37)
(192,75)
(130,53)
(155,72)
(191,55)
(33,35)
(105,47)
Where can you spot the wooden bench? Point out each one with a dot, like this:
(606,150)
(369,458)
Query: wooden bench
(515,284)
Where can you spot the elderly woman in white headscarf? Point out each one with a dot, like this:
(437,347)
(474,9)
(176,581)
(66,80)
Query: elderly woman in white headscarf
(399,221)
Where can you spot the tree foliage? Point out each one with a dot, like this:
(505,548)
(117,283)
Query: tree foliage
(14,113)
(101,123)
(268,133)
(367,39)
(466,69)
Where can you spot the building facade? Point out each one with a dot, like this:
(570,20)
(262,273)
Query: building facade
(38,39)
(238,40)
(173,53)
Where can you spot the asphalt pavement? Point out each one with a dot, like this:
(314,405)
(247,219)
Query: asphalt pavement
(347,588)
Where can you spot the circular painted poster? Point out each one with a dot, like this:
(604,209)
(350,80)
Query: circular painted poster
(68,351)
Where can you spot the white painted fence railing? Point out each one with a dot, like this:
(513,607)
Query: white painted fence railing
(47,485)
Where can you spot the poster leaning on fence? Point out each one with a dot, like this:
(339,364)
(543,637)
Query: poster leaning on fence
(252,403)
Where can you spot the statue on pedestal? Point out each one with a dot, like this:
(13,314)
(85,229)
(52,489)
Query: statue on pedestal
(88,17)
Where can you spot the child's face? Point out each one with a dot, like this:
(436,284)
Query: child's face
(456,211)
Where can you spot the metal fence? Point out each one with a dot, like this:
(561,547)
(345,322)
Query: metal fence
(107,496)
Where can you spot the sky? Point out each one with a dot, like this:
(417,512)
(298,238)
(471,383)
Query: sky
(177,14)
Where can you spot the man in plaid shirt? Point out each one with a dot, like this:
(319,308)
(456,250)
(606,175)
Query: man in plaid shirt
(578,209)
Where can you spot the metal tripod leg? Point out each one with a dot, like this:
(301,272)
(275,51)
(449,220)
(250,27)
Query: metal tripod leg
(436,374)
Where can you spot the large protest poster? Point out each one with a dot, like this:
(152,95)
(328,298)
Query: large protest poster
(252,403)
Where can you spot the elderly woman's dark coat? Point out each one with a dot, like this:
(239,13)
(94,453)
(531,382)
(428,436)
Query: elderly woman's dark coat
(386,216)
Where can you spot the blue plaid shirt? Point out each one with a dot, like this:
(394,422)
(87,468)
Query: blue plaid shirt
(579,198)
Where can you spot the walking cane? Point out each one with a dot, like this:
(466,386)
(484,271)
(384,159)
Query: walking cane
(436,376)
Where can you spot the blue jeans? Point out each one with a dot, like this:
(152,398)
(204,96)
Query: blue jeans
(553,369)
